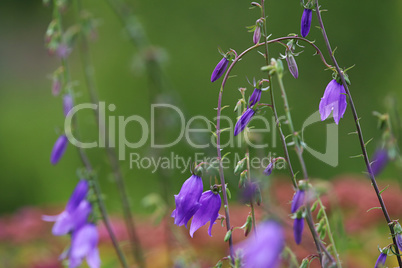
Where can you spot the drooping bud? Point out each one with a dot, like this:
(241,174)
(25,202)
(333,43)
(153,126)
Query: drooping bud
(298,227)
(379,161)
(243,121)
(268,170)
(219,69)
(257,34)
(58,149)
(298,200)
(292,65)
(306,22)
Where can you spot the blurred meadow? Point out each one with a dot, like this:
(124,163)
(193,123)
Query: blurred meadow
(185,37)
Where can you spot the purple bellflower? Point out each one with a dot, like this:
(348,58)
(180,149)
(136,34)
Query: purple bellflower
(243,121)
(219,69)
(255,97)
(298,226)
(334,100)
(379,162)
(263,251)
(75,213)
(208,212)
(298,200)
(67,103)
(306,22)
(381,260)
(187,201)
(58,150)
(84,243)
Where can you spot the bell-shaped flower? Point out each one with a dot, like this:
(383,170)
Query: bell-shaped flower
(334,100)
(243,121)
(298,200)
(306,22)
(255,97)
(67,103)
(219,69)
(84,244)
(208,212)
(381,260)
(58,150)
(187,201)
(379,161)
(298,226)
(264,249)
(76,212)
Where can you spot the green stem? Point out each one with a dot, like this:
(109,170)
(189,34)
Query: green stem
(249,180)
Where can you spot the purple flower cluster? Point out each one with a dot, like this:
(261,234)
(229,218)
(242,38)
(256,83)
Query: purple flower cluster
(264,249)
(192,202)
(74,220)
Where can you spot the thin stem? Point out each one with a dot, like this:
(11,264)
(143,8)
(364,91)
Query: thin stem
(221,174)
(359,131)
(329,232)
(249,180)
(86,162)
(111,153)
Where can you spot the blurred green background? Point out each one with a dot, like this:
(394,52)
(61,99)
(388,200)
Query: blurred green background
(366,34)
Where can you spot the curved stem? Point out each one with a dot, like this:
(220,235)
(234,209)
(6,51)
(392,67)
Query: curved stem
(359,132)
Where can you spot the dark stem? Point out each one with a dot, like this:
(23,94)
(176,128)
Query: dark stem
(359,132)
(111,153)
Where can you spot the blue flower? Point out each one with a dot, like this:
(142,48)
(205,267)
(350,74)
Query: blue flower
(334,100)
(255,97)
(58,150)
(298,201)
(243,121)
(264,249)
(84,243)
(381,260)
(298,226)
(306,22)
(379,162)
(187,201)
(208,212)
(219,69)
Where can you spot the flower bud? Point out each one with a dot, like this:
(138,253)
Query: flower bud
(257,34)
(58,149)
(306,22)
(67,104)
(219,69)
